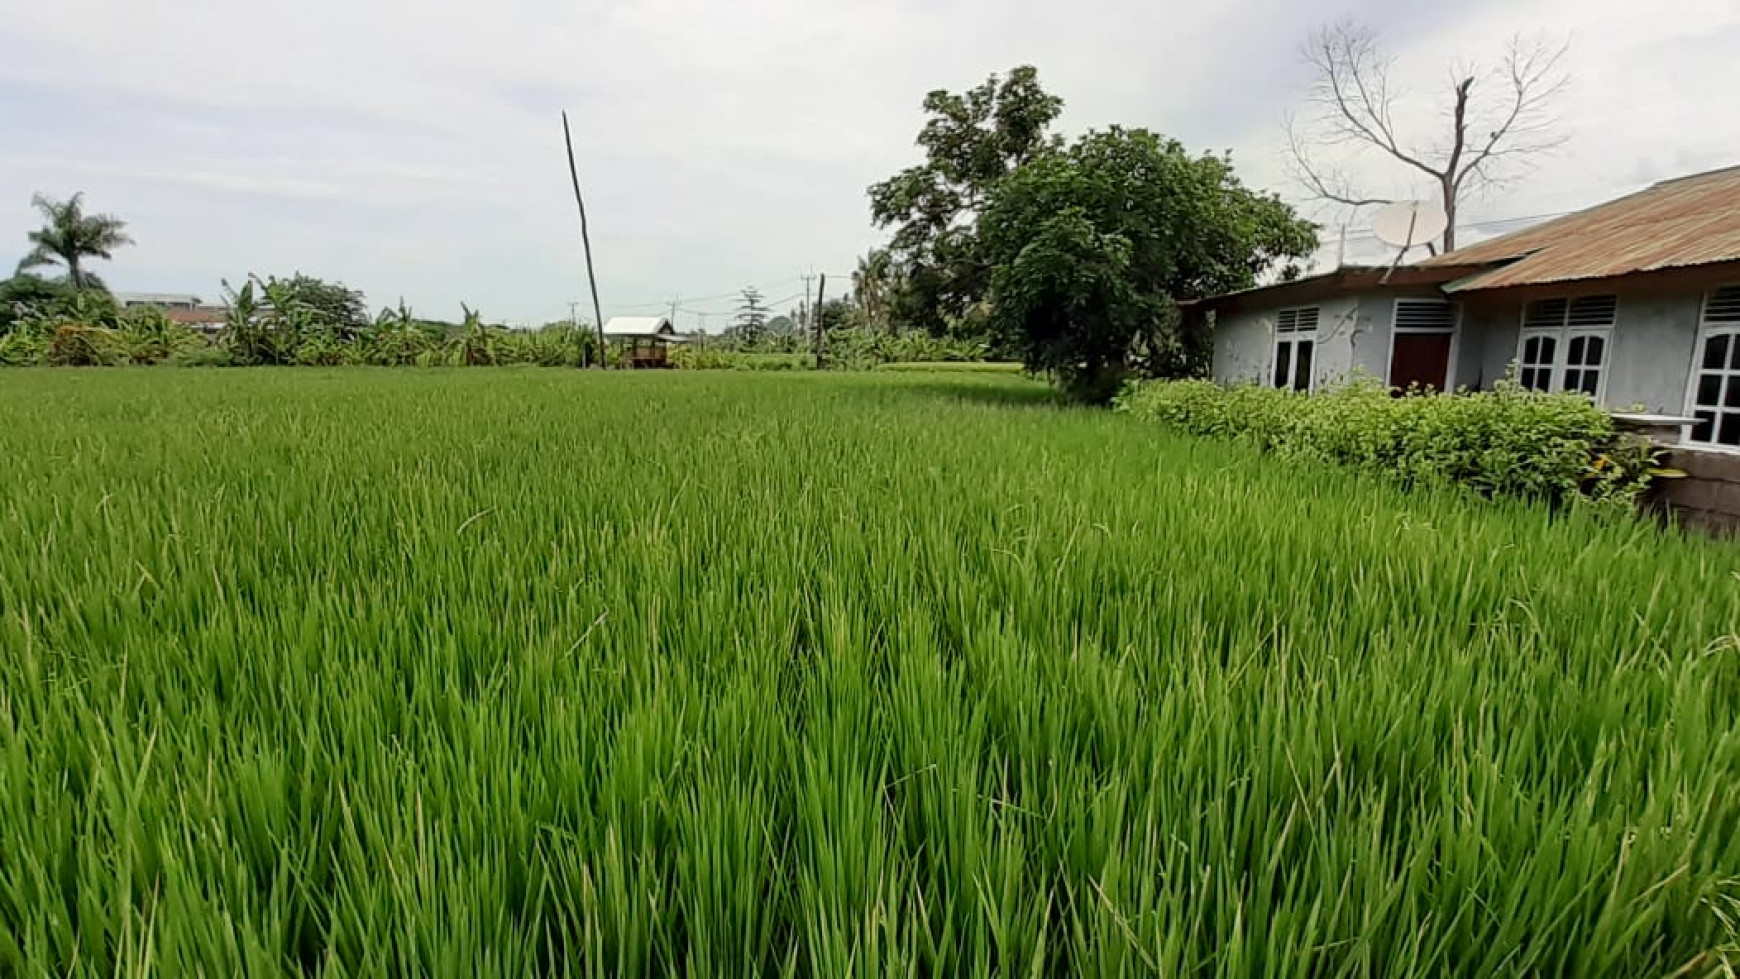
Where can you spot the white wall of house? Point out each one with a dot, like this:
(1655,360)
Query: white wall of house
(1649,357)
(1353,335)
(1650,347)
(1243,347)
(1489,340)
(1652,350)
(1244,343)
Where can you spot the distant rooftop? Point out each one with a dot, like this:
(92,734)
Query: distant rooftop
(639,326)
(156,299)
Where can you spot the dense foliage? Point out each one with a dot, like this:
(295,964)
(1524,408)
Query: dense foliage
(1509,440)
(260,333)
(502,672)
(1091,247)
(1069,258)
(24,294)
(848,348)
(933,275)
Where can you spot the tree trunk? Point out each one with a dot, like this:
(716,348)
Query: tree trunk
(1449,216)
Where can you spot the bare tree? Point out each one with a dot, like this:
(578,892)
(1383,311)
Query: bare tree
(1497,118)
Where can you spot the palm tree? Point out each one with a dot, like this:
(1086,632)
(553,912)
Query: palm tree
(70,236)
(871,282)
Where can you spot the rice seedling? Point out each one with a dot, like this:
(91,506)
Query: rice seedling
(507,672)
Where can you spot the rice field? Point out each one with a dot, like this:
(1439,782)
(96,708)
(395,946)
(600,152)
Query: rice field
(508,672)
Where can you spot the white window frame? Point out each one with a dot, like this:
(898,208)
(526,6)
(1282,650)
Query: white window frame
(1293,337)
(1562,335)
(1455,332)
(1730,374)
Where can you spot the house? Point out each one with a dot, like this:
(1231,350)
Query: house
(162,300)
(647,338)
(1635,302)
(181,308)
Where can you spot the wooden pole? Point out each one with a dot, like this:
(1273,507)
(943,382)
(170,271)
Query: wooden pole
(585,240)
(816,315)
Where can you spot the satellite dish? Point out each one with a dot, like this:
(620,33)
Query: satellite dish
(1406,224)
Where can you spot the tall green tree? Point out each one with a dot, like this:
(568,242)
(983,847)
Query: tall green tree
(333,305)
(752,313)
(870,284)
(69,237)
(972,142)
(1092,246)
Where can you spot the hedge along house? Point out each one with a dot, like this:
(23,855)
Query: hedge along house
(1635,303)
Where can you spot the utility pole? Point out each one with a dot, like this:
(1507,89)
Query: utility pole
(804,306)
(574,313)
(585,240)
(817,316)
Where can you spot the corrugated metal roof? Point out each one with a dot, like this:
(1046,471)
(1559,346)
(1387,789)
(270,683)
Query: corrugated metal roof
(637,326)
(1347,278)
(1676,223)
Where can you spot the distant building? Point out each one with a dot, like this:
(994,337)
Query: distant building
(162,300)
(181,308)
(1631,302)
(646,337)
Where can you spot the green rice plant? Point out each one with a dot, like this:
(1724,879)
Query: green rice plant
(503,671)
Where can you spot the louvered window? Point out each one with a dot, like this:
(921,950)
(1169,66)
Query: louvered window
(1424,316)
(1715,394)
(1564,343)
(1295,347)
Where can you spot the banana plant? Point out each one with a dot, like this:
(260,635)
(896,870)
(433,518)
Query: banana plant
(476,345)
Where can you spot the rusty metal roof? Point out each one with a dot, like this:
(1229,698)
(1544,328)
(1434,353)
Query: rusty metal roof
(1676,223)
(1347,278)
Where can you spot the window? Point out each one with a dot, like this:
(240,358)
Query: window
(1424,316)
(1715,394)
(1539,353)
(1295,346)
(1564,344)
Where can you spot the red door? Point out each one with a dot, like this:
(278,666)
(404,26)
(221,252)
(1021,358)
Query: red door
(1420,358)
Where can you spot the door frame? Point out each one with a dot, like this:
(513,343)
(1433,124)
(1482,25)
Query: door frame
(1455,332)
(1699,337)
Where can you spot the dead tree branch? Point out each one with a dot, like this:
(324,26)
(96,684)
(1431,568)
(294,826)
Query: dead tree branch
(1497,120)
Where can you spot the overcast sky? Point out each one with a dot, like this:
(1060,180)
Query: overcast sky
(413,147)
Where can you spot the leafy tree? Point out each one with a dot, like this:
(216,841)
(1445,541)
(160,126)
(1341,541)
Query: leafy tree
(332,305)
(69,236)
(972,142)
(841,314)
(751,321)
(871,283)
(25,294)
(1092,245)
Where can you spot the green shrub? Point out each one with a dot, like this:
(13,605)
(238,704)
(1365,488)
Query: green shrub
(954,367)
(205,355)
(84,346)
(1507,441)
(703,357)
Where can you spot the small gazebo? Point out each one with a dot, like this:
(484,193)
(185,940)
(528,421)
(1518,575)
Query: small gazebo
(648,338)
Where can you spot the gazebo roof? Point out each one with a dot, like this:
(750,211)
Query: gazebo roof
(641,328)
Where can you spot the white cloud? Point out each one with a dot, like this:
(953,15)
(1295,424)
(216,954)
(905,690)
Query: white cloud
(413,148)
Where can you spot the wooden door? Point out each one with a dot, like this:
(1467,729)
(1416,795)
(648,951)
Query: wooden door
(1420,358)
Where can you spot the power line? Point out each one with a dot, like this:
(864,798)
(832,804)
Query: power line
(1470,226)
